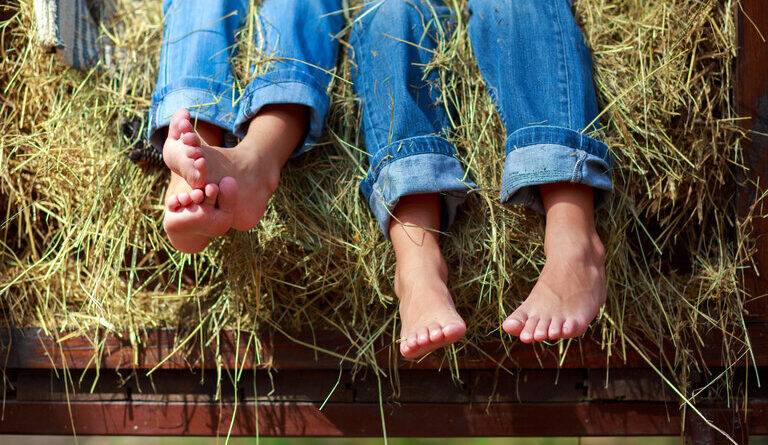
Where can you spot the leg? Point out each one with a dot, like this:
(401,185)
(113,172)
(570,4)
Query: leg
(428,316)
(277,110)
(194,216)
(538,70)
(195,74)
(571,288)
(414,174)
(195,71)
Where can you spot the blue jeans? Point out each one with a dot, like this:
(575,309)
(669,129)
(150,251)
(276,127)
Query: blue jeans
(538,70)
(196,71)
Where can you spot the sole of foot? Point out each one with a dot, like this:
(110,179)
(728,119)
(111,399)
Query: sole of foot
(255,163)
(193,216)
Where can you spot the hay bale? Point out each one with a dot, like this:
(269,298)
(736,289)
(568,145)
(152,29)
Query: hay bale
(83,247)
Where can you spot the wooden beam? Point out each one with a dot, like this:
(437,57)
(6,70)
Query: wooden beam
(353,420)
(428,403)
(30,349)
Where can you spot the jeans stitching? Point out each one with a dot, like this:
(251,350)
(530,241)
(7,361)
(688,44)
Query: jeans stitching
(564,62)
(357,43)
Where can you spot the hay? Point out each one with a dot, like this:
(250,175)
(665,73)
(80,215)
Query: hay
(83,247)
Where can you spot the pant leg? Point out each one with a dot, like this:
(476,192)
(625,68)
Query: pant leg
(195,70)
(538,69)
(300,37)
(404,123)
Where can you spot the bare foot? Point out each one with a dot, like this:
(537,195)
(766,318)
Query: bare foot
(428,315)
(255,163)
(180,158)
(572,286)
(193,216)
(429,318)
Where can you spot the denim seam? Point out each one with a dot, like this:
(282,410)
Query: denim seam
(564,63)
(494,96)
(366,91)
(581,157)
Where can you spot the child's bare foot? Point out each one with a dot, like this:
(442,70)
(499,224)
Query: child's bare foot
(429,318)
(183,159)
(255,163)
(572,287)
(193,216)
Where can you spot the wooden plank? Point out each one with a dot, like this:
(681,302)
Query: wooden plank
(525,385)
(429,403)
(355,420)
(29,349)
(751,97)
(38,385)
(627,385)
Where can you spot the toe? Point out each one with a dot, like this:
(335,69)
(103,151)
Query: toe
(581,326)
(173,129)
(435,333)
(201,166)
(184,199)
(197,196)
(211,192)
(193,152)
(515,323)
(422,336)
(228,190)
(190,139)
(542,329)
(526,336)
(172,203)
(454,331)
(412,341)
(405,349)
(569,328)
(185,126)
(555,329)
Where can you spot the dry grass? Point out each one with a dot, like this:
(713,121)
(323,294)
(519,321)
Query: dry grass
(83,247)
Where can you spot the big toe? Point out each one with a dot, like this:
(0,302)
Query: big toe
(179,124)
(515,323)
(454,331)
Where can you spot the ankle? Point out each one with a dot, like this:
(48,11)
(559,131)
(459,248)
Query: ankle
(409,270)
(209,133)
(574,245)
(278,128)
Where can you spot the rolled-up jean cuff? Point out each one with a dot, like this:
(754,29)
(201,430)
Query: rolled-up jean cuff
(424,164)
(285,87)
(547,155)
(207,101)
